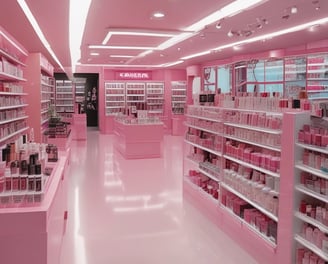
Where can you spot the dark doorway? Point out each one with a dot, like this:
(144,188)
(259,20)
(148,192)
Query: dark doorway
(91,97)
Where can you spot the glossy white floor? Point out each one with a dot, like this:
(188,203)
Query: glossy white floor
(133,211)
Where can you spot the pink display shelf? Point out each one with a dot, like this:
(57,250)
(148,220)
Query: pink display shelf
(79,129)
(32,233)
(137,141)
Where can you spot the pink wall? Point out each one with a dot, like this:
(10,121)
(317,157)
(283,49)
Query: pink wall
(107,74)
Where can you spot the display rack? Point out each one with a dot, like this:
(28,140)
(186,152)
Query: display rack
(155,98)
(317,76)
(243,159)
(80,84)
(310,195)
(178,97)
(295,76)
(40,86)
(114,97)
(65,99)
(136,95)
(13,116)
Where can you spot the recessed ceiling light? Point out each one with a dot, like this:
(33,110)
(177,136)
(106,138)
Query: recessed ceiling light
(158,14)
(94,53)
(293,10)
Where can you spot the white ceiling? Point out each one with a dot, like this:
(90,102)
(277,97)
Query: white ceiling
(53,17)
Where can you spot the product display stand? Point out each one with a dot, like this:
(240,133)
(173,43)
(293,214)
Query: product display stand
(220,180)
(139,140)
(79,130)
(35,231)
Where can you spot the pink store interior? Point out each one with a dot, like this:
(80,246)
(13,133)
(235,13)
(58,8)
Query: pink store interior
(164,131)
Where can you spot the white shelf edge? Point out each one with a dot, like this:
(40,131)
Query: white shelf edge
(257,206)
(208,175)
(253,143)
(311,221)
(10,77)
(204,118)
(259,129)
(12,93)
(312,247)
(246,164)
(204,129)
(13,120)
(252,228)
(13,106)
(11,58)
(204,148)
(311,193)
(311,170)
(193,161)
(13,135)
(314,148)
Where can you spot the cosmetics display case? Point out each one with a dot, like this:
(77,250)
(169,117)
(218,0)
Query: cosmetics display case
(178,106)
(65,99)
(35,229)
(13,103)
(114,98)
(59,133)
(237,169)
(137,138)
(155,98)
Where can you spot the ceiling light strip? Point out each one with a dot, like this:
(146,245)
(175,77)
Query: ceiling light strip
(136,33)
(38,30)
(262,37)
(78,11)
(121,47)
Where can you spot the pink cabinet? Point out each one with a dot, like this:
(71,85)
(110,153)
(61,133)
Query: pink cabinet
(135,141)
(79,130)
(32,233)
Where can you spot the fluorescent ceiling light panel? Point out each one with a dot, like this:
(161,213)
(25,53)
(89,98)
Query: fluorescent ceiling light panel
(228,10)
(172,63)
(121,56)
(94,54)
(136,32)
(262,37)
(78,11)
(196,55)
(121,47)
(276,33)
(38,30)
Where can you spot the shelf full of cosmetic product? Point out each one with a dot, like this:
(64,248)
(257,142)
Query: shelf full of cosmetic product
(155,98)
(64,96)
(311,195)
(80,88)
(114,97)
(25,172)
(178,97)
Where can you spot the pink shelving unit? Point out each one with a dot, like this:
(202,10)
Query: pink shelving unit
(139,141)
(33,233)
(226,198)
(40,87)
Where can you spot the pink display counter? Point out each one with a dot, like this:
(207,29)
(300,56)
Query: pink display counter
(136,141)
(32,232)
(79,129)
